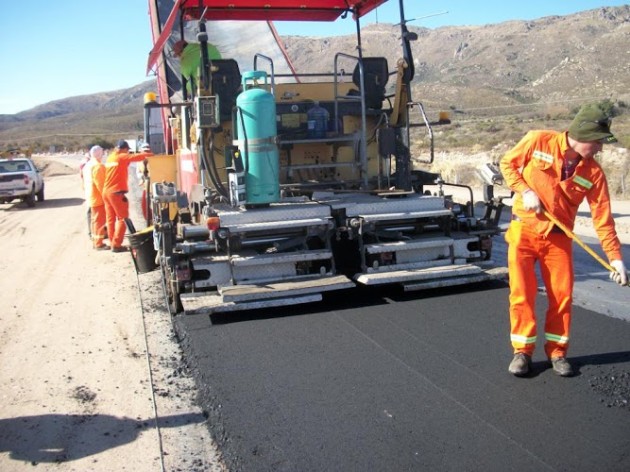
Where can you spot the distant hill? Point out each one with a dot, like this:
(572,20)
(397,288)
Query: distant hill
(540,68)
(74,122)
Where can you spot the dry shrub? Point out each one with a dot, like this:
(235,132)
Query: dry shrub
(462,167)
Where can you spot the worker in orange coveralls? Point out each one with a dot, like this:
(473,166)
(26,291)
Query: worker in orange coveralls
(554,171)
(94,194)
(115,188)
(86,185)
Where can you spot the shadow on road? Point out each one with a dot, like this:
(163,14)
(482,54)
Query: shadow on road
(338,300)
(351,299)
(620,357)
(59,202)
(53,203)
(46,438)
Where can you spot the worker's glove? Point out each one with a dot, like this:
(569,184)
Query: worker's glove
(145,148)
(621,273)
(531,201)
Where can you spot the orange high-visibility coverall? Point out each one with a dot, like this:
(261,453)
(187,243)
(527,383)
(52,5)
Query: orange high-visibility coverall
(536,163)
(97,204)
(114,190)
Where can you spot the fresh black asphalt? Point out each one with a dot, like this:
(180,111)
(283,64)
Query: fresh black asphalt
(380,380)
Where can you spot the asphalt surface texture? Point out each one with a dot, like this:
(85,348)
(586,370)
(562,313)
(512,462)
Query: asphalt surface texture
(380,379)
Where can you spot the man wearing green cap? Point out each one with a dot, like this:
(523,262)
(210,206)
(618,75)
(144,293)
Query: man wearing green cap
(555,171)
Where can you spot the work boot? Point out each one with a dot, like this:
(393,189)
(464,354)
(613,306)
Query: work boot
(520,365)
(102,247)
(119,249)
(562,367)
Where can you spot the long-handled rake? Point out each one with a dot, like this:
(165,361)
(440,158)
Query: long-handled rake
(572,235)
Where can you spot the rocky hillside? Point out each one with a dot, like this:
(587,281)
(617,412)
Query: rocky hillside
(553,59)
(525,69)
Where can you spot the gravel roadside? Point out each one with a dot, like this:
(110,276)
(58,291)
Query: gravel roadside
(92,374)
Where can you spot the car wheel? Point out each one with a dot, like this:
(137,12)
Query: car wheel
(40,195)
(30,199)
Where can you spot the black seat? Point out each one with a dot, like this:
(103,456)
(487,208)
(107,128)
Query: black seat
(375,76)
(226,83)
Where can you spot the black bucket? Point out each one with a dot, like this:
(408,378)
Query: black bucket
(142,250)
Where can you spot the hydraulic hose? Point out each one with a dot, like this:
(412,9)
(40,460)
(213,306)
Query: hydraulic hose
(210,164)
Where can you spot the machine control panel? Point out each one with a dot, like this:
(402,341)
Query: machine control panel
(207,111)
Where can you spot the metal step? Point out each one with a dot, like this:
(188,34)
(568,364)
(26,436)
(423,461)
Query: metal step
(275,225)
(280,214)
(316,284)
(497,273)
(377,217)
(427,243)
(208,304)
(442,276)
(245,297)
(414,265)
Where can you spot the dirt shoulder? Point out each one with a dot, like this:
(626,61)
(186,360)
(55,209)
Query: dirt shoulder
(92,376)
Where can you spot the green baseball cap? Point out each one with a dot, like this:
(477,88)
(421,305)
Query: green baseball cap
(592,124)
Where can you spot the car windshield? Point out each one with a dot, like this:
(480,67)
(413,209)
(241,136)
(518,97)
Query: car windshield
(14,166)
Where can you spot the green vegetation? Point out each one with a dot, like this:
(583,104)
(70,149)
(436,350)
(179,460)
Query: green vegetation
(468,131)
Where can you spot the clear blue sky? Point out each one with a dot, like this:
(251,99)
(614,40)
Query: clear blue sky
(52,50)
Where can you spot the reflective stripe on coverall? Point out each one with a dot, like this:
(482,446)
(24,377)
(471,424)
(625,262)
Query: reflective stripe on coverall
(536,163)
(114,189)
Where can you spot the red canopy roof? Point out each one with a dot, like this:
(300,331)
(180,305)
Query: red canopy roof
(270,10)
(275,10)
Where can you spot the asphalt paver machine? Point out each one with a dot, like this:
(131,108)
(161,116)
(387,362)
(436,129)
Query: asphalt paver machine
(274,187)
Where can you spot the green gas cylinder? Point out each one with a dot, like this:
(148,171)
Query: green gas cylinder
(256,133)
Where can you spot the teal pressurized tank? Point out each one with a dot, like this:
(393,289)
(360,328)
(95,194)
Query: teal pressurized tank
(256,133)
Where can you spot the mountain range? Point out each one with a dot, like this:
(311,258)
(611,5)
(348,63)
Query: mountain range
(539,69)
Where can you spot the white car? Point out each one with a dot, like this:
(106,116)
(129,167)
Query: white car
(20,180)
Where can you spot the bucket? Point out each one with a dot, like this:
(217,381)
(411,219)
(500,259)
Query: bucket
(142,250)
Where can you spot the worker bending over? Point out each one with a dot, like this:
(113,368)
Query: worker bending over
(554,171)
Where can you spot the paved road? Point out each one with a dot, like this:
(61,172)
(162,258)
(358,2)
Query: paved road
(393,381)
(383,380)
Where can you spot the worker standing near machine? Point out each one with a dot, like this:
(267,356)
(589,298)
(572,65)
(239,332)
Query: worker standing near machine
(93,180)
(115,190)
(554,172)
(86,185)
